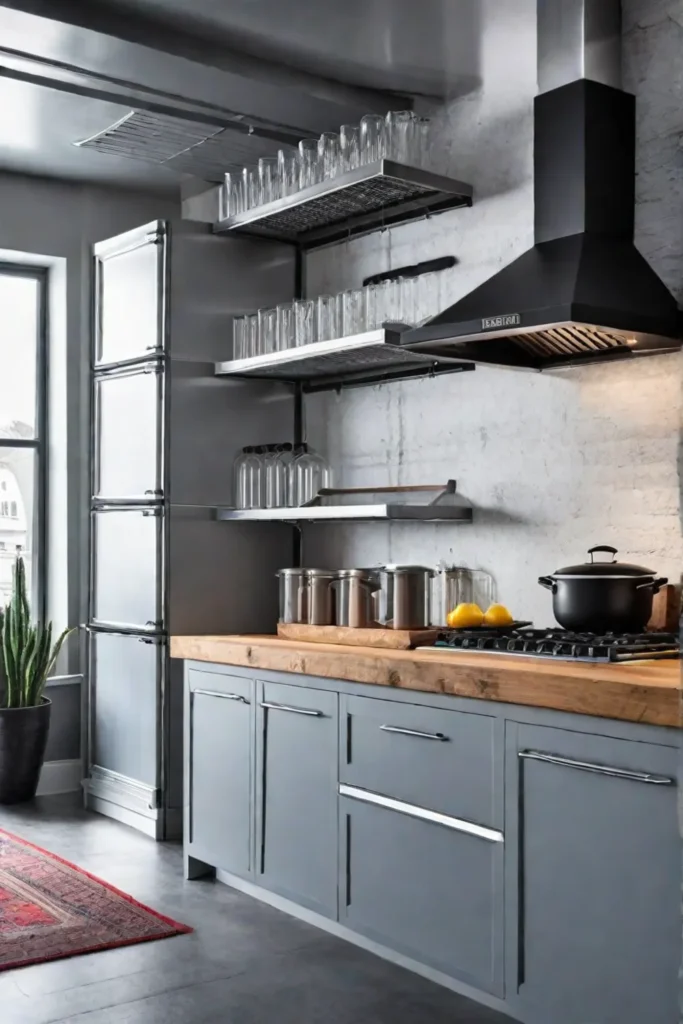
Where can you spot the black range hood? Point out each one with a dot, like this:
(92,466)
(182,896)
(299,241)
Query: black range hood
(583,292)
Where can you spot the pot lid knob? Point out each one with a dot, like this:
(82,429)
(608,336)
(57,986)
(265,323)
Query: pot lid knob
(603,547)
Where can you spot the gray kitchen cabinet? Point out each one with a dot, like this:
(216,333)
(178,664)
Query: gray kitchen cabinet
(593,878)
(127,583)
(448,761)
(414,882)
(220,732)
(297,794)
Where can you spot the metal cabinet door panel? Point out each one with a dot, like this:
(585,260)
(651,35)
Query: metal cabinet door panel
(129,416)
(130,295)
(127,585)
(126,679)
(220,770)
(596,932)
(424,890)
(298,794)
(448,761)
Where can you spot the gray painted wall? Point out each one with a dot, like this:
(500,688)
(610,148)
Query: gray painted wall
(58,222)
(556,462)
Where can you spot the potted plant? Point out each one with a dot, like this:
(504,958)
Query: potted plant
(28,657)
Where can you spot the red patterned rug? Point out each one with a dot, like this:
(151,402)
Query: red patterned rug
(50,909)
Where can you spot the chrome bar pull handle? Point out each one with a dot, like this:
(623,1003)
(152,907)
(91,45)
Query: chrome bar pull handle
(311,712)
(223,696)
(598,769)
(441,737)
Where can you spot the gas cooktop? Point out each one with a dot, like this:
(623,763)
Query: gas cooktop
(562,644)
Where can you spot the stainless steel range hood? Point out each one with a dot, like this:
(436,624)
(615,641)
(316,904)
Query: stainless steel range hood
(583,291)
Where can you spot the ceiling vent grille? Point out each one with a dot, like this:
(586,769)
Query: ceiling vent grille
(189,147)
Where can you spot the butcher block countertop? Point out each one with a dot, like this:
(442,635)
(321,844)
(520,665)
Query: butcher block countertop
(644,691)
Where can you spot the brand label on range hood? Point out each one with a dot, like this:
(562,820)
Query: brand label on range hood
(489,323)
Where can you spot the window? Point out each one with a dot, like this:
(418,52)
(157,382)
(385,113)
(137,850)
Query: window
(23,378)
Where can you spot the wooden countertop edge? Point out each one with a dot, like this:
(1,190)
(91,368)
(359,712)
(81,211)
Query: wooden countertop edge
(646,692)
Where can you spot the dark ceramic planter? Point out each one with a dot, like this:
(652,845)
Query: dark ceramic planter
(23,737)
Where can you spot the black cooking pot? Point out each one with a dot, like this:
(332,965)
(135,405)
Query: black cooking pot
(603,597)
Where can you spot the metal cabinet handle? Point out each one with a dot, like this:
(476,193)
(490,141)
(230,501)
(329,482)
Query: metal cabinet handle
(598,769)
(295,711)
(217,693)
(414,732)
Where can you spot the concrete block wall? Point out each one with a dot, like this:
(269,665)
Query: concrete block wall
(554,462)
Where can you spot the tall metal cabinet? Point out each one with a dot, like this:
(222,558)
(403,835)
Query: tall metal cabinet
(165,433)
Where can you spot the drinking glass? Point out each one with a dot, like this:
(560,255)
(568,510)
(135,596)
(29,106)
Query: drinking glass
(372,138)
(374,306)
(429,294)
(288,171)
(286,326)
(268,180)
(352,312)
(305,321)
(250,187)
(310,172)
(329,154)
(251,336)
(423,141)
(392,301)
(239,326)
(224,199)
(400,131)
(408,300)
(328,317)
(267,331)
(349,144)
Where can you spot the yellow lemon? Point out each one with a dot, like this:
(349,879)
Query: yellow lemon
(497,615)
(464,616)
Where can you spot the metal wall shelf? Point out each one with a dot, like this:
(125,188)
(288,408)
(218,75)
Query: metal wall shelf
(375,196)
(360,504)
(368,358)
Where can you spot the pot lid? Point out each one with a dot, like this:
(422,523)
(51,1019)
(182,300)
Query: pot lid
(405,568)
(609,568)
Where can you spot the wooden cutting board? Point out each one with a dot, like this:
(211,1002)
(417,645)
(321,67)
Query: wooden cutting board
(666,609)
(393,639)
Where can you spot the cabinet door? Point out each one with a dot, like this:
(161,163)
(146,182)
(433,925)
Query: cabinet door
(130,292)
(127,552)
(129,433)
(297,797)
(220,770)
(595,923)
(423,888)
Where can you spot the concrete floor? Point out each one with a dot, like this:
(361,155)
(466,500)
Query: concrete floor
(246,963)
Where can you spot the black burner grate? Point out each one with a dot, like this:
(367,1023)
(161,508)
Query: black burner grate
(560,643)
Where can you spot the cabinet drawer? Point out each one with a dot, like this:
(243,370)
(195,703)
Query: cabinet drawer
(447,761)
(424,890)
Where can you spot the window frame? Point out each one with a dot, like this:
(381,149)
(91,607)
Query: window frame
(39,443)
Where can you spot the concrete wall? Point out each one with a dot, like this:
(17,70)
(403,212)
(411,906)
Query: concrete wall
(54,224)
(555,462)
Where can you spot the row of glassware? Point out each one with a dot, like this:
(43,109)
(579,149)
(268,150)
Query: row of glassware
(404,300)
(278,476)
(399,135)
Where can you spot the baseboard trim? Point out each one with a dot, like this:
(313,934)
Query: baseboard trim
(60,777)
(342,932)
(151,827)
(131,802)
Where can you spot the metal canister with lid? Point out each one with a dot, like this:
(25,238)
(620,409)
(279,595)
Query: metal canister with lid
(354,590)
(306,596)
(404,598)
